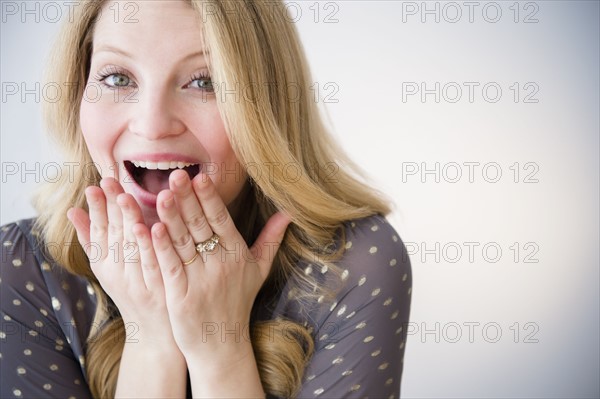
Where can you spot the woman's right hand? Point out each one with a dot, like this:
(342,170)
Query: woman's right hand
(119,247)
(121,254)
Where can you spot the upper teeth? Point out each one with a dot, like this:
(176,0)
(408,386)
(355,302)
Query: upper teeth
(164,165)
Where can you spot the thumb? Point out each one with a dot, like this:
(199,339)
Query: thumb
(81,221)
(268,242)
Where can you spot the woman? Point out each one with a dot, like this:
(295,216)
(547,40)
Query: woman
(212,239)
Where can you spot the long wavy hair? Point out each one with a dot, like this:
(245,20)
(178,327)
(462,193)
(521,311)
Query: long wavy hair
(257,48)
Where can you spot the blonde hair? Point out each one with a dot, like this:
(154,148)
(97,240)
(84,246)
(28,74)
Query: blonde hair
(256,49)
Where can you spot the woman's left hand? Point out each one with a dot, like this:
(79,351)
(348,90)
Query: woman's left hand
(209,300)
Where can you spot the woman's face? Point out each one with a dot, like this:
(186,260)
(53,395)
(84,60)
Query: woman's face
(148,105)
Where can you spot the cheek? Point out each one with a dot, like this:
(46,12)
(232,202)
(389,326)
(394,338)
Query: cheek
(229,178)
(224,169)
(100,134)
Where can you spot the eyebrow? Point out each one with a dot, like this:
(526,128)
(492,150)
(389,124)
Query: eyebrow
(111,49)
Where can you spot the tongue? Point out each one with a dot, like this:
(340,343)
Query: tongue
(155,181)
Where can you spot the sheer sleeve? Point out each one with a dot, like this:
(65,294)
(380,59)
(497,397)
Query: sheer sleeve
(360,339)
(41,334)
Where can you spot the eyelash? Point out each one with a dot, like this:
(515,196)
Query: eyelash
(111,70)
(198,76)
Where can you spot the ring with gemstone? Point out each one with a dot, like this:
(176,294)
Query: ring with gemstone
(208,245)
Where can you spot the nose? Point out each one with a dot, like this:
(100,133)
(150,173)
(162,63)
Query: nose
(155,116)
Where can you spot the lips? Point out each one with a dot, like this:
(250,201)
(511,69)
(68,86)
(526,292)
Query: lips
(149,177)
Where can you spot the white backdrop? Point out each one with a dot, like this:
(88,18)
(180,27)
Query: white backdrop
(481,120)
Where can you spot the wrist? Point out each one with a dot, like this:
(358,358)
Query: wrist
(220,357)
(155,336)
(151,371)
(233,366)
(151,350)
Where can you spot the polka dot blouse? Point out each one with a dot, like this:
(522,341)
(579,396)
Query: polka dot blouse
(360,335)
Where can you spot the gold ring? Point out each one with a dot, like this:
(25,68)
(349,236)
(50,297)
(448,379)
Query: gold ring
(191,260)
(208,245)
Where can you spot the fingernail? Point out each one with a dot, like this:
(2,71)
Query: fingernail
(168,202)
(179,181)
(200,180)
(158,231)
(122,201)
(138,234)
(88,196)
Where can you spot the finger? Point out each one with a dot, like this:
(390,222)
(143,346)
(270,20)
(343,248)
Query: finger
(173,274)
(189,207)
(215,211)
(180,236)
(148,262)
(81,221)
(98,222)
(268,242)
(115,218)
(132,214)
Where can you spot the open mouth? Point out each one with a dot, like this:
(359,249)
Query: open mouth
(153,177)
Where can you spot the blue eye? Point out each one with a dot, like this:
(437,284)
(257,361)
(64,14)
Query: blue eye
(116,80)
(203,82)
(113,78)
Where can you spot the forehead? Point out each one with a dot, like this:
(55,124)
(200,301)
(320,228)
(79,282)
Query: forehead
(149,26)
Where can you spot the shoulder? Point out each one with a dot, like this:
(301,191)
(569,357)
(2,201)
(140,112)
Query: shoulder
(37,293)
(15,230)
(375,273)
(374,238)
(21,262)
(17,250)
(360,337)
(25,292)
(374,251)
(44,319)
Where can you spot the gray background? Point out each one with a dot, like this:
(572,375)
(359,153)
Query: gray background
(534,325)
